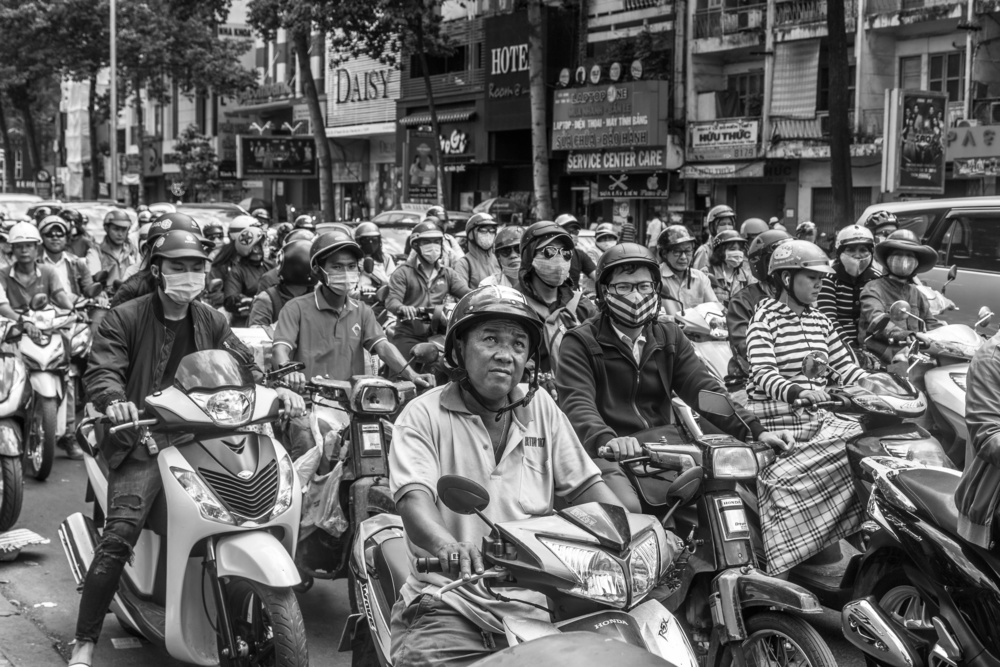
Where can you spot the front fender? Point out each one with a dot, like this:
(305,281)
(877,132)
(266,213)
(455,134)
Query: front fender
(257,556)
(10,438)
(739,588)
(45,384)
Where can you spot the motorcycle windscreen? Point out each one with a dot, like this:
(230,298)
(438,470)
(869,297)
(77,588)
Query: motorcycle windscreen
(209,370)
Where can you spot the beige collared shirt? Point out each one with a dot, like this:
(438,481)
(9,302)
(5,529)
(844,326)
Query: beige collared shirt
(635,345)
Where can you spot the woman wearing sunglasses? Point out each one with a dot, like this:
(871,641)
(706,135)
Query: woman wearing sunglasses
(507,249)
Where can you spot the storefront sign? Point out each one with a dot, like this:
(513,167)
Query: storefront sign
(972,142)
(980,166)
(276,156)
(731,170)
(633,186)
(265,93)
(361,91)
(622,115)
(508,100)
(648,159)
(914,159)
(235,31)
(733,139)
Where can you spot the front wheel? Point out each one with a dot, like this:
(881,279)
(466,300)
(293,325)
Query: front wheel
(40,440)
(11,492)
(774,639)
(266,624)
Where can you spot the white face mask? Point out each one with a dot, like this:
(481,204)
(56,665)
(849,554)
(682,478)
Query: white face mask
(431,252)
(734,258)
(342,282)
(183,288)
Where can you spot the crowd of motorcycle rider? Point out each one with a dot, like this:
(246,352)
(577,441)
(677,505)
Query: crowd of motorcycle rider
(605,361)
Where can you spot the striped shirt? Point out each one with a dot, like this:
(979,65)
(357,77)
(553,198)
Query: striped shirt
(778,341)
(840,300)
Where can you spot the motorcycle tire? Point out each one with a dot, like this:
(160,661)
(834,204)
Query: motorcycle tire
(887,582)
(40,439)
(12,493)
(253,610)
(770,635)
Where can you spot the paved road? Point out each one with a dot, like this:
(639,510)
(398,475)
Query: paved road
(40,585)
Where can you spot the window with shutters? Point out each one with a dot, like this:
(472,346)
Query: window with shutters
(822,208)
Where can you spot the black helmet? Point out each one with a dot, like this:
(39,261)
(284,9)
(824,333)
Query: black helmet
(280,231)
(330,242)
(366,230)
(172,222)
(760,251)
(881,218)
(622,254)
(305,222)
(567,220)
(299,235)
(425,230)
(41,213)
(72,216)
(480,220)
(295,268)
(262,214)
(727,236)
(904,240)
(493,302)
(178,244)
(213,227)
(538,235)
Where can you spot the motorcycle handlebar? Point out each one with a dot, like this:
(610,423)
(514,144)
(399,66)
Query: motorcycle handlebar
(806,403)
(425,565)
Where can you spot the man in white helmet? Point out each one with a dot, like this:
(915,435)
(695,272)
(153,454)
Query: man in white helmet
(26,277)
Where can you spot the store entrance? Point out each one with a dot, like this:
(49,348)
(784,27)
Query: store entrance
(758,201)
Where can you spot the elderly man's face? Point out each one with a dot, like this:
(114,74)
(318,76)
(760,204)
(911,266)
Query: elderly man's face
(495,353)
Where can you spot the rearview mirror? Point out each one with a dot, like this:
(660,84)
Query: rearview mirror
(715,403)
(93,289)
(462,495)
(685,486)
(13,333)
(814,365)
(38,302)
(899,310)
(214,285)
(425,353)
(368,264)
(101,277)
(953,272)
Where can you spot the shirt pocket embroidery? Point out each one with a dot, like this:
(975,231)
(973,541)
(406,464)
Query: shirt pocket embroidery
(535,495)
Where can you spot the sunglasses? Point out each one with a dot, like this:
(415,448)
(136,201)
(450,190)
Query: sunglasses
(506,252)
(54,235)
(548,252)
(214,237)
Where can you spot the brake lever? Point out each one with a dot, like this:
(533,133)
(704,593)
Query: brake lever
(132,424)
(493,573)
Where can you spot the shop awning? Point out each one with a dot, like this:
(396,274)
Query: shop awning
(790,129)
(446,116)
(796,65)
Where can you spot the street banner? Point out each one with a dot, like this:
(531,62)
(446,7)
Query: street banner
(913,161)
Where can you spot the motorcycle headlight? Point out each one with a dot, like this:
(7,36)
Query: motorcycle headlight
(229,407)
(734,463)
(874,404)
(374,398)
(644,564)
(208,504)
(599,576)
(959,379)
(286,483)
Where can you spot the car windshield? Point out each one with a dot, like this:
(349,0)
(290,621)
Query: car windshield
(394,238)
(209,370)
(17,208)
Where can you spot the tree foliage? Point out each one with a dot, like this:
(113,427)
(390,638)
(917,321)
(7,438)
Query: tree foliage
(198,162)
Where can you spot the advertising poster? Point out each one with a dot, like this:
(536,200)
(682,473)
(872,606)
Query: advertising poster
(276,156)
(421,173)
(915,161)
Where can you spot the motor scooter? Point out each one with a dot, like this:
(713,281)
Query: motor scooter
(13,398)
(705,326)
(924,595)
(49,370)
(596,563)
(757,611)
(212,573)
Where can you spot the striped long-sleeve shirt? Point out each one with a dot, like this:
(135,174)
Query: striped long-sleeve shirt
(778,341)
(840,300)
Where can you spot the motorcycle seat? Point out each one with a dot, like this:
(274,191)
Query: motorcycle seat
(933,492)
(392,566)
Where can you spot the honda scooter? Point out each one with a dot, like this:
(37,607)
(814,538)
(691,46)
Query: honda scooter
(705,326)
(13,398)
(596,563)
(212,573)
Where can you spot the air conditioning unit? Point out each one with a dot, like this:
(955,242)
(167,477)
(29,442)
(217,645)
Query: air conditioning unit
(994,116)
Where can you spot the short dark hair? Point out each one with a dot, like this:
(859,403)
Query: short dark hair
(628,269)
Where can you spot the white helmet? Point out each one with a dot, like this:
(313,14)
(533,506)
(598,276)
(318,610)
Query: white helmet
(241,222)
(23,232)
(854,235)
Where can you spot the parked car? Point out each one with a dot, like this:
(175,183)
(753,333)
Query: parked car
(459,218)
(222,212)
(965,232)
(16,205)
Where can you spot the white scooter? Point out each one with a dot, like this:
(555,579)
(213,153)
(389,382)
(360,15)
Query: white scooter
(212,574)
(13,396)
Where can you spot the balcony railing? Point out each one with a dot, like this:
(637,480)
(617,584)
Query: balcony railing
(728,21)
(798,12)
(875,7)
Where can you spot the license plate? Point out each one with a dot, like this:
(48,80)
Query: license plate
(736,521)
(371,440)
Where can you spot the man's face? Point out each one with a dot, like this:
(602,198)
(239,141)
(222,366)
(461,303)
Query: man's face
(54,239)
(25,253)
(495,354)
(724,224)
(117,234)
(170,267)
(340,261)
(679,256)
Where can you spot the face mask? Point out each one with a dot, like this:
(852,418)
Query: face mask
(431,252)
(485,239)
(342,283)
(853,265)
(553,272)
(183,288)
(634,309)
(604,245)
(511,268)
(901,266)
(734,258)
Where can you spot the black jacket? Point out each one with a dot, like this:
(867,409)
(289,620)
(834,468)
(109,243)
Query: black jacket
(138,284)
(130,353)
(606,394)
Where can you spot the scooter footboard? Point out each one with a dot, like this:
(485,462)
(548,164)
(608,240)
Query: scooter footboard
(257,556)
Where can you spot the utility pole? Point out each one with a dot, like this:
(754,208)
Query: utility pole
(841,181)
(113,115)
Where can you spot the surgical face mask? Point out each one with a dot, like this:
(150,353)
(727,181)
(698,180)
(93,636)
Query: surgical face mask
(342,283)
(633,309)
(734,258)
(553,272)
(431,252)
(901,266)
(510,266)
(183,288)
(854,265)
(485,239)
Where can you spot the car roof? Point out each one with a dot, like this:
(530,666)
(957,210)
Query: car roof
(929,204)
(18,196)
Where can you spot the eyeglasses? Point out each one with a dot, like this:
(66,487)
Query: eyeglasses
(550,251)
(54,235)
(214,237)
(507,251)
(487,230)
(621,289)
(680,252)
